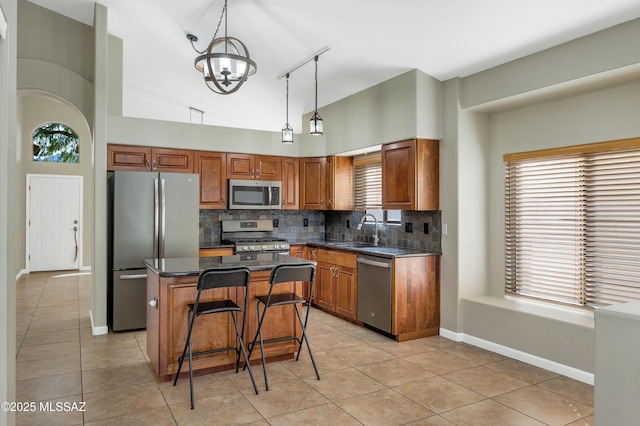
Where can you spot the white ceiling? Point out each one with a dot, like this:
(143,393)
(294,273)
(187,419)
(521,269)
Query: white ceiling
(370,41)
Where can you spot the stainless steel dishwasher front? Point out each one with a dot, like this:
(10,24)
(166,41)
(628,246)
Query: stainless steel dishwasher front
(374,291)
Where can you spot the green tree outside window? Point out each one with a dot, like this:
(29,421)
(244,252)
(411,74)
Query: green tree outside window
(56,143)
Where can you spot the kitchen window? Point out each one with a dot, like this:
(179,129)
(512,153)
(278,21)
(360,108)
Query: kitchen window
(368,189)
(572,224)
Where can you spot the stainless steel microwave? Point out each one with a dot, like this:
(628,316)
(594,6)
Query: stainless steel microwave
(254,194)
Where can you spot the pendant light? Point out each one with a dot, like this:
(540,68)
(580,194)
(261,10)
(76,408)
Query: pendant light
(225,64)
(287,130)
(315,124)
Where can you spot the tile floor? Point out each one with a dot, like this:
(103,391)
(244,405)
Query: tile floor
(365,377)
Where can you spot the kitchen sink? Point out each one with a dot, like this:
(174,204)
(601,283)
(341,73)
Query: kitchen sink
(369,247)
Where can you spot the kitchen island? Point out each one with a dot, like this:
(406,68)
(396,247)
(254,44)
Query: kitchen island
(171,285)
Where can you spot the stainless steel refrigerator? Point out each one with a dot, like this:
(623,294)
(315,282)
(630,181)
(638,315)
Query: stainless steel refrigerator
(151,216)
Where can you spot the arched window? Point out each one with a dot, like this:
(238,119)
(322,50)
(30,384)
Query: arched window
(56,143)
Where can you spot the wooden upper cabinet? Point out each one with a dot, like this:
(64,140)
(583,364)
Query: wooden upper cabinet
(290,179)
(140,158)
(212,168)
(313,183)
(249,166)
(125,157)
(172,160)
(326,183)
(410,175)
(340,183)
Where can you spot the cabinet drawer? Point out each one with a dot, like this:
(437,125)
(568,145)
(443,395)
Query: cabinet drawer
(349,260)
(326,256)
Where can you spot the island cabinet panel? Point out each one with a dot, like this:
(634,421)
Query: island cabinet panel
(212,169)
(167,324)
(416,297)
(410,175)
(337,283)
(290,183)
(249,166)
(210,332)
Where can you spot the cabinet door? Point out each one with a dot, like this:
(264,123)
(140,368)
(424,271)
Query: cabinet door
(240,166)
(324,286)
(172,160)
(346,289)
(339,183)
(398,175)
(290,183)
(212,168)
(313,183)
(132,158)
(267,167)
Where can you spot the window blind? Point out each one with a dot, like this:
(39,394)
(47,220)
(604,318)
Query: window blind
(572,222)
(368,184)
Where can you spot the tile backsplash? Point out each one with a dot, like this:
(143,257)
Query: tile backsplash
(331,225)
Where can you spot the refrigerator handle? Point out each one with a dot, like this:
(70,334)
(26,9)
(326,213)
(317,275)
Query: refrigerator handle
(162,216)
(156,217)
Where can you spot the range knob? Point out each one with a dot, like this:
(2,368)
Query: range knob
(264,247)
(250,247)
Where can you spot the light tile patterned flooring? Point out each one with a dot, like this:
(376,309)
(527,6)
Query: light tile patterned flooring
(365,377)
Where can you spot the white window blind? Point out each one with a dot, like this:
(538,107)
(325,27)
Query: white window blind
(573,224)
(368,184)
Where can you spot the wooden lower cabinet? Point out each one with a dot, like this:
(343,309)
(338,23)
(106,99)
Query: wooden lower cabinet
(337,283)
(222,251)
(415,297)
(167,324)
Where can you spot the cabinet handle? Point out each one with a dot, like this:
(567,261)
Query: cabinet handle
(155,165)
(147,165)
(322,202)
(330,203)
(314,253)
(224,203)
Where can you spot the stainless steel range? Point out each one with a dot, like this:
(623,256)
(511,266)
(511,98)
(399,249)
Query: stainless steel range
(253,236)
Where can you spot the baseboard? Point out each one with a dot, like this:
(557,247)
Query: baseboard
(96,331)
(565,370)
(21,273)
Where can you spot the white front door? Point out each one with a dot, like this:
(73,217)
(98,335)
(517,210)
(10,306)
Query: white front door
(53,222)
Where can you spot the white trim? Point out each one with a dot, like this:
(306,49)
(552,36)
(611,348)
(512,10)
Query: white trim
(565,370)
(3,24)
(96,331)
(21,273)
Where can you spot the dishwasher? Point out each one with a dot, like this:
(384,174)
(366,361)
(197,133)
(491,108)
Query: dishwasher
(374,291)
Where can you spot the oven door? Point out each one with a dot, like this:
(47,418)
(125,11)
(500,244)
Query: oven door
(254,194)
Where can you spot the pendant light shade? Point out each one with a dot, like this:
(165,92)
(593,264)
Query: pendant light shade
(315,124)
(225,64)
(287,130)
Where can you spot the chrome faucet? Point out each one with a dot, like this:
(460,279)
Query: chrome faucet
(375,231)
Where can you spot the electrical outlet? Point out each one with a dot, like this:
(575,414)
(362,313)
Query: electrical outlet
(275,223)
(408,227)
(426,228)
(305,222)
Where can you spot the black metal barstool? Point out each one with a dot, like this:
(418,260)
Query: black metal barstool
(212,279)
(283,274)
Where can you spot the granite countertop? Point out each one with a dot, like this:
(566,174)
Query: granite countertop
(184,266)
(369,249)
